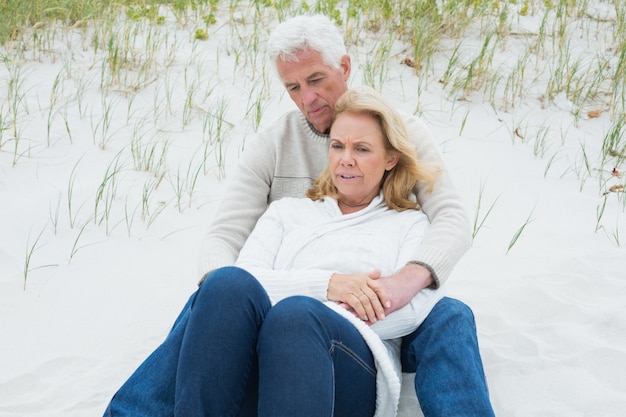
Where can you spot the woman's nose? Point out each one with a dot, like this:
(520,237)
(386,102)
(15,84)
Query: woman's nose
(346,158)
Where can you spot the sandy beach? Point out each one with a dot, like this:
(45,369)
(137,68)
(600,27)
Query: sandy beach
(107,194)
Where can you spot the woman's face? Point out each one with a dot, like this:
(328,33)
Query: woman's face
(357,158)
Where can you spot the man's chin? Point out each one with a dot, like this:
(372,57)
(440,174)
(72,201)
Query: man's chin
(320,126)
(320,119)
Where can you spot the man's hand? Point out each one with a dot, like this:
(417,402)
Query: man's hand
(362,293)
(402,286)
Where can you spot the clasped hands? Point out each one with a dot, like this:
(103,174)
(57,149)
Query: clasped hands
(365,295)
(371,297)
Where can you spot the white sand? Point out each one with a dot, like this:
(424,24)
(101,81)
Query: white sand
(550,312)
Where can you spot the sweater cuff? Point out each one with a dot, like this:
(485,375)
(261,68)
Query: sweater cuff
(436,261)
(435,284)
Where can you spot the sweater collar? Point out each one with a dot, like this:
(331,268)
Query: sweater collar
(377,202)
(315,132)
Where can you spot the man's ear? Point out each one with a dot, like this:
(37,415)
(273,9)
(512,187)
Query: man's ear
(346,66)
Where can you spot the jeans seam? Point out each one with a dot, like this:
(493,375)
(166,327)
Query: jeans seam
(338,345)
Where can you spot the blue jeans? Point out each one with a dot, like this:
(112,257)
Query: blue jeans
(443,353)
(229,352)
(313,363)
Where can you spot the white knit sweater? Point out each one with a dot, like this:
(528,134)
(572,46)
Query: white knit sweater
(297,245)
(283,161)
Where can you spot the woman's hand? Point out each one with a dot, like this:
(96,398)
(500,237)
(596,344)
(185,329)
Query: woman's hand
(363,294)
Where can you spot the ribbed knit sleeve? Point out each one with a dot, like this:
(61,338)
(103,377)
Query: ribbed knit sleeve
(281,161)
(449,236)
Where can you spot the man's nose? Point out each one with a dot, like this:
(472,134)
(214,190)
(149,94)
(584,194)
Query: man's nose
(308,96)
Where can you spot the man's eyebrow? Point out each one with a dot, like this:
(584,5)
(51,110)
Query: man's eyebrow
(316,74)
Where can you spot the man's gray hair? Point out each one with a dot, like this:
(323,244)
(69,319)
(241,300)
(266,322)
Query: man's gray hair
(299,33)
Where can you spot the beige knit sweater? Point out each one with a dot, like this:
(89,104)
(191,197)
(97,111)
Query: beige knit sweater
(285,159)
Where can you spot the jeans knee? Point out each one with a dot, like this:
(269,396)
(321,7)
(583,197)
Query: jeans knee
(292,318)
(294,311)
(451,322)
(228,283)
(454,312)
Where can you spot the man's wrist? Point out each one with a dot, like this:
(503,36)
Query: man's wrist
(434,281)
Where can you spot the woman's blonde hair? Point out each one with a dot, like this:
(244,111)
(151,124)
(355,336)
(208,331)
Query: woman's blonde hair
(398,184)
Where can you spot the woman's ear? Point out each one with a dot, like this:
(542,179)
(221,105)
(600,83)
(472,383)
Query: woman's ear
(392,161)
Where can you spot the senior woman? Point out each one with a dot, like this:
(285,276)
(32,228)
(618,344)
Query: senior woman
(284,330)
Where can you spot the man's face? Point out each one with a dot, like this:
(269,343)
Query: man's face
(314,86)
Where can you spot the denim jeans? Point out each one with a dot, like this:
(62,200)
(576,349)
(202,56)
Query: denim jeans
(313,363)
(443,353)
(310,361)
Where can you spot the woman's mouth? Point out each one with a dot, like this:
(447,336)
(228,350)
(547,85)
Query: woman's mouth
(347,177)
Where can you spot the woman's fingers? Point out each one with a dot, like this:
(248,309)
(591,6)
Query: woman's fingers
(367,305)
(379,288)
(363,294)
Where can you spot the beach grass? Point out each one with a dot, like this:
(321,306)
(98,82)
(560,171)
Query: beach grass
(165,134)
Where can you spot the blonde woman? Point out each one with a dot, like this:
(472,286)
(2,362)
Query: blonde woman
(285,332)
